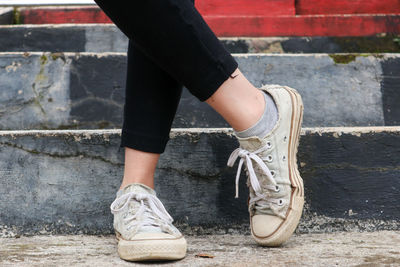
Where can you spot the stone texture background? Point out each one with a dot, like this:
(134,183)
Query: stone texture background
(86,90)
(65,181)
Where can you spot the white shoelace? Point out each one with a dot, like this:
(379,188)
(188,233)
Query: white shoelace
(153,214)
(247,157)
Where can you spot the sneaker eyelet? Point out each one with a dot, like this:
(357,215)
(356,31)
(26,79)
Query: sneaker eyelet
(269,158)
(284,139)
(284,158)
(277,189)
(280,202)
(273,173)
(269,145)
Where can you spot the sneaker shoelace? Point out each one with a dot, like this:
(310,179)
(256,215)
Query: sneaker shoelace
(152,214)
(263,201)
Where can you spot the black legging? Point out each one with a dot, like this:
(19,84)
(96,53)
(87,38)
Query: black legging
(170,46)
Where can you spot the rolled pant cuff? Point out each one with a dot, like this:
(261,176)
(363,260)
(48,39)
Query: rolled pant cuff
(143,142)
(226,68)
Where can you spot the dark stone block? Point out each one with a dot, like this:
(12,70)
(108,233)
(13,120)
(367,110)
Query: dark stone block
(390,86)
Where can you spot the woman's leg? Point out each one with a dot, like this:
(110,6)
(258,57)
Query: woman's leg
(163,36)
(143,227)
(174,35)
(151,100)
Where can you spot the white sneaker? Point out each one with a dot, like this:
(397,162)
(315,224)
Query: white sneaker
(144,228)
(276,196)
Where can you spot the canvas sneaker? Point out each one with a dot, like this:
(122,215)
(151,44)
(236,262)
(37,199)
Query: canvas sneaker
(276,193)
(144,228)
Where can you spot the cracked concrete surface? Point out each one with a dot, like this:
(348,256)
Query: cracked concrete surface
(80,90)
(338,249)
(64,181)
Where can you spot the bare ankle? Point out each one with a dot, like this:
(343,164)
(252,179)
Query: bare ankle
(126,181)
(238,101)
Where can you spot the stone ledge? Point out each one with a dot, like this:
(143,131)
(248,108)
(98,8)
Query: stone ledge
(64,181)
(108,38)
(79,90)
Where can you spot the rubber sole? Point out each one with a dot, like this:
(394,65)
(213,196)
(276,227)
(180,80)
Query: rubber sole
(295,209)
(152,249)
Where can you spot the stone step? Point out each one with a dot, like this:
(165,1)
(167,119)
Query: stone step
(64,181)
(333,249)
(108,38)
(80,90)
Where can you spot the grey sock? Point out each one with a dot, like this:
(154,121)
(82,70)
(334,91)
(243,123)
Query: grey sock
(266,123)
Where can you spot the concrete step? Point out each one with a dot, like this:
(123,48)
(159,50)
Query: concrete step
(242,19)
(80,90)
(108,38)
(331,249)
(64,181)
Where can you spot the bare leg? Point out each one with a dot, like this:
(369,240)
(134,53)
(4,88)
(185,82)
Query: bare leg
(139,167)
(238,102)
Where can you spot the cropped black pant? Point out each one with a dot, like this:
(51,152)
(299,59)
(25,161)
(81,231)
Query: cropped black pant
(170,46)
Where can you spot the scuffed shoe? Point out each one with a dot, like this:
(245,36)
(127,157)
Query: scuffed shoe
(276,196)
(144,228)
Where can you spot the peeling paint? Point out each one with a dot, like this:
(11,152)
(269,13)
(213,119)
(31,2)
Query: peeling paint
(13,67)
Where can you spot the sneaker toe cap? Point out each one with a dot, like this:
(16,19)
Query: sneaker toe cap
(154,236)
(265,225)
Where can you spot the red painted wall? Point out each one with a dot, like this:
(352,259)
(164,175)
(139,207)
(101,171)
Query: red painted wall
(261,17)
(245,7)
(312,7)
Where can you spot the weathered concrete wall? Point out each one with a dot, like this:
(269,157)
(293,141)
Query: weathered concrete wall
(34,91)
(64,181)
(108,38)
(81,90)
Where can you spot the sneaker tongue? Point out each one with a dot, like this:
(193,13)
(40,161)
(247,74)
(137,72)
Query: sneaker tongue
(137,188)
(141,188)
(251,143)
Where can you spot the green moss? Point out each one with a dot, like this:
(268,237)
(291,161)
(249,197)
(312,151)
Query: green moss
(60,127)
(39,80)
(376,44)
(16,16)
(378,55)
(343,59)
(103,124)
(68,126)
(40,76)
(43,59)
(371,54)
(347,58)
(57,55)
